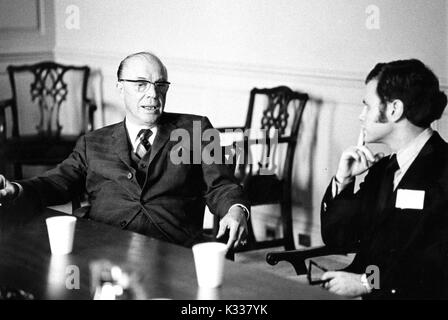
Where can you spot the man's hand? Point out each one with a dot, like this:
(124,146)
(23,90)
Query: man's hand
(354,161)
(235,221)
(7,190)
(344,283)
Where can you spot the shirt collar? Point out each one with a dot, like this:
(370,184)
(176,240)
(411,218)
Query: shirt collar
(407,155)
(133,131)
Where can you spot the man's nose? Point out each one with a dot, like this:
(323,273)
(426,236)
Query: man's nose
(362,116)
(151,92)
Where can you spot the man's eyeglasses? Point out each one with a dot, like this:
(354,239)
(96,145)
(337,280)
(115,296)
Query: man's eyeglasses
(143,86)
(315,273)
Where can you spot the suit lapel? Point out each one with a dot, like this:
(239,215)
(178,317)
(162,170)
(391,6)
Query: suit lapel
(121,144)
(162,137)
(423,168)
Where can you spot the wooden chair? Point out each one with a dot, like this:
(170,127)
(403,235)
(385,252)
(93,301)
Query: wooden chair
(39,92)
(265,178)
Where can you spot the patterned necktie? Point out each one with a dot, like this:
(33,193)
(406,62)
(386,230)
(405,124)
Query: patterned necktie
(144,145)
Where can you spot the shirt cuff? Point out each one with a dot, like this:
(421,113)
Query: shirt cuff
(246,211)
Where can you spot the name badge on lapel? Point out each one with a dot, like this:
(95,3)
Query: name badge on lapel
(410,199)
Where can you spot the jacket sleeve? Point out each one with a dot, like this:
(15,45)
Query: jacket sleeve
(222,189)
(61,184)
(342,216)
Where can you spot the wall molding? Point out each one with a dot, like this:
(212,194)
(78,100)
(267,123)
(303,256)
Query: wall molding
(328,77)
(224,68)
(23,57)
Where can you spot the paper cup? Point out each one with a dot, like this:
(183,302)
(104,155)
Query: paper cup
(61,230)
(209,262)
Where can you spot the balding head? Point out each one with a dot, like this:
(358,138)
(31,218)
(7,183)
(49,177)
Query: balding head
(145,55)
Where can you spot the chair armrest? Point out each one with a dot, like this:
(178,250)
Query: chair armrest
(297,257)
(91,108)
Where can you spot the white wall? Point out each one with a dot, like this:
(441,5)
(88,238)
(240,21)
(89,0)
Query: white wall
(27,26)
(318,34)
(26,34)
(217,50)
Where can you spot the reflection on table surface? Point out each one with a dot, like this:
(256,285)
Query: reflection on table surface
(162,270)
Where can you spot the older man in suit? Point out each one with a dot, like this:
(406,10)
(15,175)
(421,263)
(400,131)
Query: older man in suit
(398,219)
(128,172)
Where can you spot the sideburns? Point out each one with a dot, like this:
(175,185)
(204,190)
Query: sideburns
(382,118)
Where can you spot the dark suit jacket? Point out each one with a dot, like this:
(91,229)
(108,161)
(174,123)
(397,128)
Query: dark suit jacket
(171,203)
(409,246)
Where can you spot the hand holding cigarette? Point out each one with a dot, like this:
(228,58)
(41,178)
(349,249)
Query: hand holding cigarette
(356,160)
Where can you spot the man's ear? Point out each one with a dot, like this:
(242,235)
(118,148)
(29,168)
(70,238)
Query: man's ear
(395,110)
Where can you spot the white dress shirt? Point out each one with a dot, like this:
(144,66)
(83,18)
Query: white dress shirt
(133,131)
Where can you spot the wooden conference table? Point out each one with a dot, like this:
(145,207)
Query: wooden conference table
(166,270)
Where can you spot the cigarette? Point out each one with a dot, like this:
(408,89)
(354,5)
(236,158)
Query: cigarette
(361,141)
